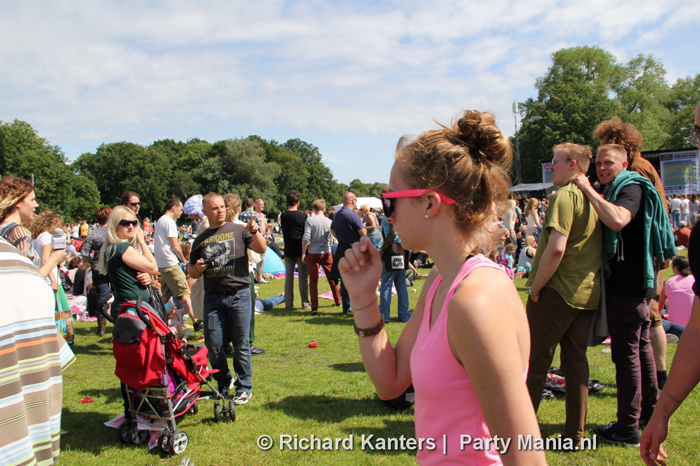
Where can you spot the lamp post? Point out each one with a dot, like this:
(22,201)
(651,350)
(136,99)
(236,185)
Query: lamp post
(518,173)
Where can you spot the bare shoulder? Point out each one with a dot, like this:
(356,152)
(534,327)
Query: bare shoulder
(485,296)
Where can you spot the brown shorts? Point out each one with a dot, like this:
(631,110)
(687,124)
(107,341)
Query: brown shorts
(655,314)
(173,282)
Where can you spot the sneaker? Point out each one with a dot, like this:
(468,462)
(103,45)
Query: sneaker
(313,312)
(254,350)
(615,434)
(306,307)
(262,280)
(671,338)
(242,397)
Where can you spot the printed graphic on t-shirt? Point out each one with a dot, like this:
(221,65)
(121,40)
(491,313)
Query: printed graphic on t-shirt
(219,253)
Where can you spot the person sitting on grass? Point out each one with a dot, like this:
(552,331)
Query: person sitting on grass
(677,295)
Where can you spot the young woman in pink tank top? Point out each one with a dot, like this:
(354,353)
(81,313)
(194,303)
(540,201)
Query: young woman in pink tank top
(466,347)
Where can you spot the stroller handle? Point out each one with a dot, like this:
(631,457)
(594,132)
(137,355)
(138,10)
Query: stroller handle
(141,315)
(102,306)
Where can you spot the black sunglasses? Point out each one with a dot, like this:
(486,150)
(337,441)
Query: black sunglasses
(126,223)
(134,203)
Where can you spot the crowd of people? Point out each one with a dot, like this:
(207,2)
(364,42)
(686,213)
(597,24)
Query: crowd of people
(592,253)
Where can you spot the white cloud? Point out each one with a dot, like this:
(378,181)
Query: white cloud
(87,72)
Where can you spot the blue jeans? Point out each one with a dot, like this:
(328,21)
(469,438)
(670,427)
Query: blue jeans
(271,302)
(675,218)
(398,278)
(672,327)
(101,283)
(227,318)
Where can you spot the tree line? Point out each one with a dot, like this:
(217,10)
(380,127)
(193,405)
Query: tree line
(583,86)
(250,167)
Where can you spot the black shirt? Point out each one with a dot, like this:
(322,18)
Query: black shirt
(694,257)
(226,248)
(293,222)
(627,264)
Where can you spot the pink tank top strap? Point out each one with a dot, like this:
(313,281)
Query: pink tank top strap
(469,265)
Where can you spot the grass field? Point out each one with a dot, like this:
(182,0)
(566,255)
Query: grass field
(322,392)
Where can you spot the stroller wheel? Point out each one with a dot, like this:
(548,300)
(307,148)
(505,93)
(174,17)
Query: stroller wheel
(217,411)
(195,408)
(164,441)
(123,432)
(178,442)
(231,410)
(137,436)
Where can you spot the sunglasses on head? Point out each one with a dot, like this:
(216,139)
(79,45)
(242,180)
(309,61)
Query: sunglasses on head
(389,204)
(126,223)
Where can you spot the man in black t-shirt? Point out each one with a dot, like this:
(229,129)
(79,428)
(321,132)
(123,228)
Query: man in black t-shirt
(630,201)
(293,221)
(220,255)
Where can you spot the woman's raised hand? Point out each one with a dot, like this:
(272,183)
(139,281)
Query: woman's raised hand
(361,268)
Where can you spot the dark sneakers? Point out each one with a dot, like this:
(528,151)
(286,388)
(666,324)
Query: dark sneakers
(313,312)
(254,350)
(618,435)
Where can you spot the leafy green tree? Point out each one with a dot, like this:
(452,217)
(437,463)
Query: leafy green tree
(684,98)
(239,166)
(573,97)
(293,174)
(320,181)
(125,166)
(83,201)
(643,95)
(26,155)
(358,188)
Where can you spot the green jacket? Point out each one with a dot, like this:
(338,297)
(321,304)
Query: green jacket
(658,234)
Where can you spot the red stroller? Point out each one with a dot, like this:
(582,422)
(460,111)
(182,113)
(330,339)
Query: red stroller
(161,378)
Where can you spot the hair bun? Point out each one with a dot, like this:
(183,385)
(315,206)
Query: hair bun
(478,131)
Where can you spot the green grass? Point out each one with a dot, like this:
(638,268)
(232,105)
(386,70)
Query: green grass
(322,392)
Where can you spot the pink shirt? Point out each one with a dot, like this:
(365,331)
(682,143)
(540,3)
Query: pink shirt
(679,292)
(446,403)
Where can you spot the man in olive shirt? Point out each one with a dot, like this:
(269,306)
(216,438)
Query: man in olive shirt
(564,288)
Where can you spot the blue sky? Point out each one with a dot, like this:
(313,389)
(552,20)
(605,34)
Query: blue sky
(348,77)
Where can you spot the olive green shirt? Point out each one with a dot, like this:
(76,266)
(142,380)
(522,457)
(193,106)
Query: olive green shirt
(577,279)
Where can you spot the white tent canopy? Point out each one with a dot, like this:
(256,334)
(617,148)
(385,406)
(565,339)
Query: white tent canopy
(528,187)
(372,202)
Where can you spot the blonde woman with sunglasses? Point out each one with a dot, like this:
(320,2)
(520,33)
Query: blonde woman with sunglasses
(466,347)
(128,268)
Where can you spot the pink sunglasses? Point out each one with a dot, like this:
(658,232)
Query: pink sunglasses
(389,205)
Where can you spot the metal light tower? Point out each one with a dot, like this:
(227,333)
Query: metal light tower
(518,173)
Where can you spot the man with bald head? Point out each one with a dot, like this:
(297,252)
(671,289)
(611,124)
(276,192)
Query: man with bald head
(347,228)
(219,254)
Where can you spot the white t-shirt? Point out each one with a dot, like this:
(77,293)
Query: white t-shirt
(685,206)
(42,240)
(166,228)
(675,204)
